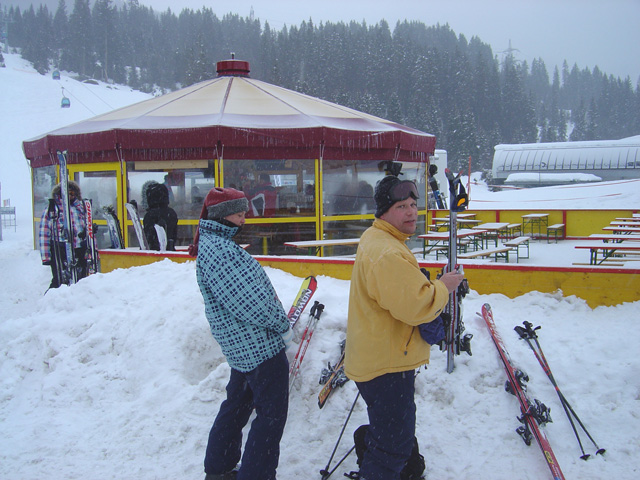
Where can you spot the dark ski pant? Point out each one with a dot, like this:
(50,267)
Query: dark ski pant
(392,424)
(266,388)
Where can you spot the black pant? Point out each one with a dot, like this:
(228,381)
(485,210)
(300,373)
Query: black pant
(266,390)
(392,422)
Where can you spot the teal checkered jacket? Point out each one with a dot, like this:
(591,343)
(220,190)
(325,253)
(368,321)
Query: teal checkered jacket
(244,313)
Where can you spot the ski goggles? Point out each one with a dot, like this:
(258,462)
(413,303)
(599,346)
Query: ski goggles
(403,190)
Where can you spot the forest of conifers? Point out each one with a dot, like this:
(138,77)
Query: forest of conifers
(426,77)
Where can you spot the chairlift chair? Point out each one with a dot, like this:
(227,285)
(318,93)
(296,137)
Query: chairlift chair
(65,103)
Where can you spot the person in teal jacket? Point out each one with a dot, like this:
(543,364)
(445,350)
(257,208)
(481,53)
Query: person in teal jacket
(250,325)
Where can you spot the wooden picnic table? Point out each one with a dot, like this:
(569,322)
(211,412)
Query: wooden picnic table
(621,229)
(444,222)
(627,223)
(607,250)
(492,230)
(459,215)
(534,220)
(443,237)
(614,238)
(316,245)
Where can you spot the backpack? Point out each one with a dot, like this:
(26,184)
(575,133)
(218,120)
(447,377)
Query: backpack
(413,469)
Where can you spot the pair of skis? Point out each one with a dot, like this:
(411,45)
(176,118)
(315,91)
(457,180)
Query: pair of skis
(455,341)
(92,250)
(307,289)
(534,413)
(137,226)
(68,272)
(115,233)
(528,333)
(68,269)
(314,315)
(332,377)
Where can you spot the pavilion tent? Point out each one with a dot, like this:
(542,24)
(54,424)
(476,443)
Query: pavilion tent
(231,117)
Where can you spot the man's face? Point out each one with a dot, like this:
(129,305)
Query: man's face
(403,215)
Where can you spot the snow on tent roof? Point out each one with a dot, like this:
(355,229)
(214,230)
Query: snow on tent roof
(232,117)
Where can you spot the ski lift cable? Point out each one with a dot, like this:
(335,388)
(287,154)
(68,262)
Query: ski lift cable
(97,96)
(78,100)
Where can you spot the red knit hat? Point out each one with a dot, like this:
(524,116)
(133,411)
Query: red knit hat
(220,203)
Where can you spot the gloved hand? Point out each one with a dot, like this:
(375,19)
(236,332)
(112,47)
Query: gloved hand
(287,337)
(46,262)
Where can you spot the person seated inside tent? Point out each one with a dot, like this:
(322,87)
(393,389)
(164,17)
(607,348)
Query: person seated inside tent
(160,215)
(263,199)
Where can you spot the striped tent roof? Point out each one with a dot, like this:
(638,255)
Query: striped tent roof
(232,117)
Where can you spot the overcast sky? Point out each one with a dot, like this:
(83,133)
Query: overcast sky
(605,33)
(587,32)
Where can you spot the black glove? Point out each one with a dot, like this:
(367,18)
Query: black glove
(47,262)
(82,235)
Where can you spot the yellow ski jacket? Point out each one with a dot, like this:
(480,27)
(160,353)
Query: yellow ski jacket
(389,298)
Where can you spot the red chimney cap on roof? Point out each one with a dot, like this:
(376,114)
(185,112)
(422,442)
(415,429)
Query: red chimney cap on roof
(233,68)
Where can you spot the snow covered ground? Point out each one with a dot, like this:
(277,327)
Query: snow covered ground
(118,376)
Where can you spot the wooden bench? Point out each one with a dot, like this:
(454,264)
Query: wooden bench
(498,252)
(606,265)
(518,242)
(514,230)
(557,230)
(438,249)
(608,250)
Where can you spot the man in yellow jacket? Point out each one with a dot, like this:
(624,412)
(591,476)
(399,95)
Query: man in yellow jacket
(389,298)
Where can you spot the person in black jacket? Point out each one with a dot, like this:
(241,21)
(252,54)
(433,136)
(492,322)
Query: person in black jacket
(160,213)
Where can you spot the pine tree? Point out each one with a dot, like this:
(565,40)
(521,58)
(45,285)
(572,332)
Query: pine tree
(60,31)
(104,34)
(79,54)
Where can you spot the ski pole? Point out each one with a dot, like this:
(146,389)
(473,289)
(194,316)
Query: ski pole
(531,331)
(325,471)
(528,333)
(599,451)
(326,474)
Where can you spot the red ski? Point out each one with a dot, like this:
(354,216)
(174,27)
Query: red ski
(534,413)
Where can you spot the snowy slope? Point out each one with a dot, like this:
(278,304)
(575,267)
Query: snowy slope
(30,106)
(118,376)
